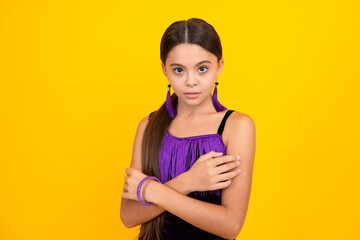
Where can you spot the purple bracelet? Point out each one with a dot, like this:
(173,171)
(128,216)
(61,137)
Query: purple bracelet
(139,189)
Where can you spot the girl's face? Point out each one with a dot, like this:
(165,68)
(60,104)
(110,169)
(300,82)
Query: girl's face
(191,68)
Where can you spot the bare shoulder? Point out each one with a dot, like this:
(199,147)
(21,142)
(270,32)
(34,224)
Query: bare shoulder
(239,119)
(238,124)
(144,122)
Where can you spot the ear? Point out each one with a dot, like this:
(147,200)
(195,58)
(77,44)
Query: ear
(220,67)
(163,69)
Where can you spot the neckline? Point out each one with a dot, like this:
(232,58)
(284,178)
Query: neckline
(203,135)
(193,137)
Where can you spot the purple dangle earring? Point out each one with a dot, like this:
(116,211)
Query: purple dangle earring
(215,100)
(169,106)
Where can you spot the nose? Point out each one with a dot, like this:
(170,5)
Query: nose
(191,80)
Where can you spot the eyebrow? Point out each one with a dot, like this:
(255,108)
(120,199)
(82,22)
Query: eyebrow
(178,64)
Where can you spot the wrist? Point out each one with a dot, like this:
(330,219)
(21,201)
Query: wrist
(149,190)
(185,183)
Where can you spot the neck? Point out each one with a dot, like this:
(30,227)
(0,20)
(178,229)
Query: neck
(185,110)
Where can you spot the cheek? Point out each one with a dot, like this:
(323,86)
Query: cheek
(211,86)
(174,86)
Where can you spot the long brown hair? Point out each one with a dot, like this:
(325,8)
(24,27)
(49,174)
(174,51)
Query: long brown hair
(195,31)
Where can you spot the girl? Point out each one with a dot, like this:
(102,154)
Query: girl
(185,180)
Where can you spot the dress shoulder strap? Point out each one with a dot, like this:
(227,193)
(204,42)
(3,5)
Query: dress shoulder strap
(151,114)
(222,124)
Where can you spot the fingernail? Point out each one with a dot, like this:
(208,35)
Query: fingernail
(237,162)
(239,170)
(237,156)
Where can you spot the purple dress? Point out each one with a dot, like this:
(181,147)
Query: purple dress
(177,155)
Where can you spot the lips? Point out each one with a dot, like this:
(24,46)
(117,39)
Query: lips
(192,95)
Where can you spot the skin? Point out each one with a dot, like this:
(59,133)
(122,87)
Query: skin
(227,219)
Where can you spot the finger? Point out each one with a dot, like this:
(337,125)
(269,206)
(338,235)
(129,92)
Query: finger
(210,155)
(221,160)
(227,176)
(221,185)
(226,167)
(129,170)
(125,195)
(125,187)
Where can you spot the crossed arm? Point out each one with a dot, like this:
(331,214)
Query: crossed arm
(134,213)
(224,220)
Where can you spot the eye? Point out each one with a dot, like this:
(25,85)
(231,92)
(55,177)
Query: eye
(177,71)
(203,67)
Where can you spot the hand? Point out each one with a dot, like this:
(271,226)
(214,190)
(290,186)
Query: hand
(132,181)
(212,171)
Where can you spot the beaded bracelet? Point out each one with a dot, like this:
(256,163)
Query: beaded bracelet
(139,189)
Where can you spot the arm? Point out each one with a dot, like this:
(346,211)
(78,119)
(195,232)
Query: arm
(224,220)
(132,212)
(204,175)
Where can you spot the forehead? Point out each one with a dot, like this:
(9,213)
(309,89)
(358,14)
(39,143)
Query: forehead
(189,53)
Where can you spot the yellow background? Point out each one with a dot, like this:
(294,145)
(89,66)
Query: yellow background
(76,77)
